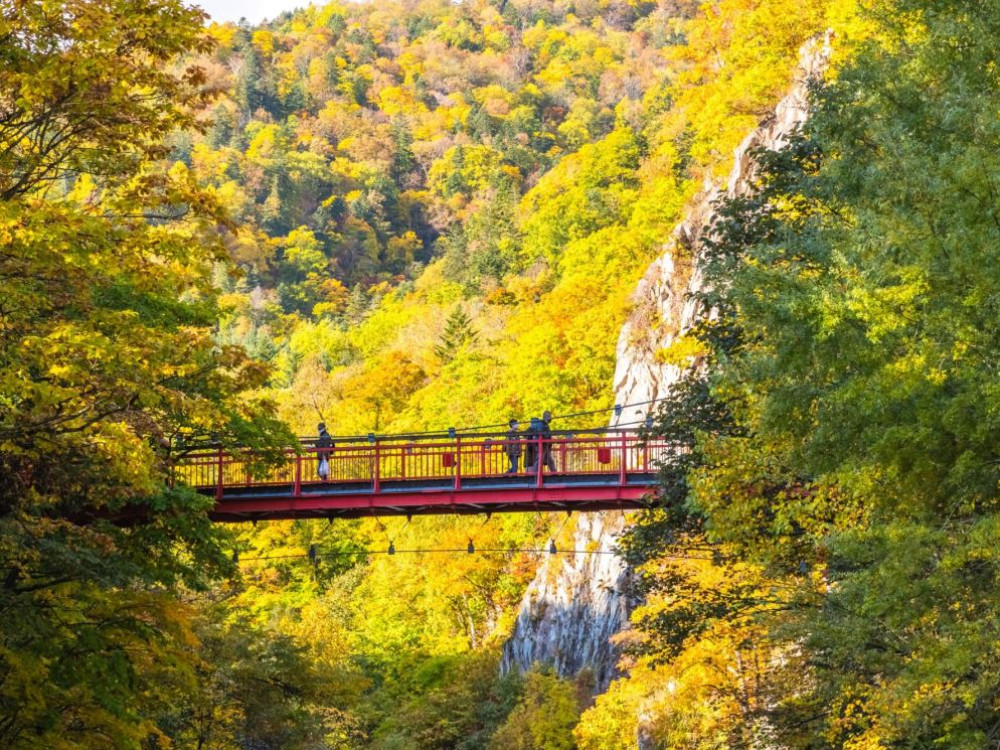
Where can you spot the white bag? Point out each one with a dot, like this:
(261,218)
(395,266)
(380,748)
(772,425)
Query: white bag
(324,468)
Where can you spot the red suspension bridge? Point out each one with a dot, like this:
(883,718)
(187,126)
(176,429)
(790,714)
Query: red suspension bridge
(406,476)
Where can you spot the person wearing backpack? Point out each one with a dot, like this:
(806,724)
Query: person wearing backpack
(546,433)
(531,446)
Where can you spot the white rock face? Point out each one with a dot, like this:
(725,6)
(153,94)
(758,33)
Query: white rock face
(574,605)
(577,603)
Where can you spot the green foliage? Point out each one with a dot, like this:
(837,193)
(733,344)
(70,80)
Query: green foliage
(543,718)
(852,354)
(587,191)
(252,686)
(458,707)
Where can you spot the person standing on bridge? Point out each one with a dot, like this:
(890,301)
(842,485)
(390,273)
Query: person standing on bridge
(546,433)
(512,446)
(531,445)
(323,443)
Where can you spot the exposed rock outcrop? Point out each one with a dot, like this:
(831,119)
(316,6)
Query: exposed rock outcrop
(575,604)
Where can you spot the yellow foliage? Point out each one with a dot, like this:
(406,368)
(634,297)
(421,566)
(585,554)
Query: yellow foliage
(264,41)
(263,144)
(398,100)
(737,61)
(222,33)
(711,692)
(682,352)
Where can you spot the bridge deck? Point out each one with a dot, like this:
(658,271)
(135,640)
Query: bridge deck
(459,476)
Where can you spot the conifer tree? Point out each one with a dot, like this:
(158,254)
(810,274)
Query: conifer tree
(403,160)
(458,332)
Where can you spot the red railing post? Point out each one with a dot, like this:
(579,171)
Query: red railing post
(458,463)
(218,489)
(377,474)
(645,457)
(298,475)
(482,457)
(623,476)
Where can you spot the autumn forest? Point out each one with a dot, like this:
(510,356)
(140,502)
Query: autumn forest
(404,215)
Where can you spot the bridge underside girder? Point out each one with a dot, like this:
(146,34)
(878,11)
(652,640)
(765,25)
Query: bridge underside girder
(333,500)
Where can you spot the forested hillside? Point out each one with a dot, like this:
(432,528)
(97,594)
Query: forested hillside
(419,214)
(506,168)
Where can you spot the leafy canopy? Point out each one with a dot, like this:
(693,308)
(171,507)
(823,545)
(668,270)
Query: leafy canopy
(107,363)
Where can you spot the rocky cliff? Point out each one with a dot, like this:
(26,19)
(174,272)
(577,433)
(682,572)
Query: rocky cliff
(577,602)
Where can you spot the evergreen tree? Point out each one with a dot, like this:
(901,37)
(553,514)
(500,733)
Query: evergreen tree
(458,333)
(358,305)
(403,160)
(222,129)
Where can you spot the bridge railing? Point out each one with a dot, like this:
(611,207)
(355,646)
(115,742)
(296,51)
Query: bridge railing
(383,463)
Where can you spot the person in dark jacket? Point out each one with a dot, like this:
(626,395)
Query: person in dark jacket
(531,446)
(323,456)
(546,433)
(512,446)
